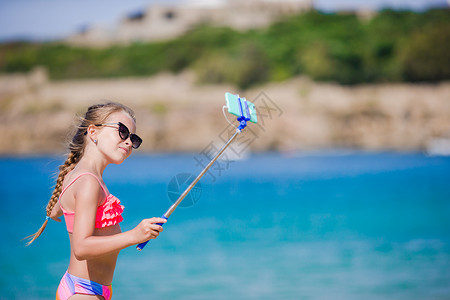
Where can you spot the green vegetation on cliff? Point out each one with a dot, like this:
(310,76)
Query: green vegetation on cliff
(392,46)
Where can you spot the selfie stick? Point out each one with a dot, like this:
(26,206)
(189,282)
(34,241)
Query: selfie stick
(245,116)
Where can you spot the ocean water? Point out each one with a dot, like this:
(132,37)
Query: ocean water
(315,226)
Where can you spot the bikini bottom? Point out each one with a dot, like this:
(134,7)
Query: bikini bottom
(71,285)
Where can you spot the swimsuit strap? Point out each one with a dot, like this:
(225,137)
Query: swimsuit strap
(86,173)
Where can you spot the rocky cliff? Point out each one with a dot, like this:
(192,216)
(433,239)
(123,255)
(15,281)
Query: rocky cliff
(176,114)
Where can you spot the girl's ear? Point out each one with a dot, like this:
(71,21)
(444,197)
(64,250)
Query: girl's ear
(92,132)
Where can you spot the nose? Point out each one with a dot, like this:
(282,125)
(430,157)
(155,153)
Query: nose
(128,141)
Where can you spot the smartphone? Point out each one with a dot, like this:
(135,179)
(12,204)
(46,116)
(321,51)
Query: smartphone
(241,107)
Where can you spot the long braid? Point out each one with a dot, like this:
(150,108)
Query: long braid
(65,168)
(96,114)
(68,166)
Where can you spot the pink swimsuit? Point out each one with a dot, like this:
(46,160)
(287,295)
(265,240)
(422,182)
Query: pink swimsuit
(108,214)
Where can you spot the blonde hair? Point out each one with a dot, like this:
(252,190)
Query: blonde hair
(96,114)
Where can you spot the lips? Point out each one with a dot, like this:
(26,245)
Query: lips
(126,150)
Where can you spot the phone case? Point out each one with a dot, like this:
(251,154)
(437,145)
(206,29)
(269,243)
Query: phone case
(234,107)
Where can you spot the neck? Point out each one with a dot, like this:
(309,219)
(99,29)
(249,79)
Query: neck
(91,166)
(92,162)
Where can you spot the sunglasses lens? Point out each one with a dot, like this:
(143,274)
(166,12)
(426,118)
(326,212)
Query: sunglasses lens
(123,131)
(135,141)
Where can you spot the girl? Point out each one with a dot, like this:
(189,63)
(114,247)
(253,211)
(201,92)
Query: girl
(91,213)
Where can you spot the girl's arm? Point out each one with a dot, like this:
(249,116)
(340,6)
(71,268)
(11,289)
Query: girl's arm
(85,245)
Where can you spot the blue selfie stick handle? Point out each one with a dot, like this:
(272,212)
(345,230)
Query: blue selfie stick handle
(142,245)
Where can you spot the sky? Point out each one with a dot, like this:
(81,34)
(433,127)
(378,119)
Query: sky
(53,19)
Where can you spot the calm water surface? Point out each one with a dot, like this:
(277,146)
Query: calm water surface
(317,226)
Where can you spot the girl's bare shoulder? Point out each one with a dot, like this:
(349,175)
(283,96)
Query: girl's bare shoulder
(87,188)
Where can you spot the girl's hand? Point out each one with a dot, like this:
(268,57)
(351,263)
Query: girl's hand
(148,229)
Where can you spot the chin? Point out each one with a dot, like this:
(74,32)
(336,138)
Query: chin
(118,160)
(117,157)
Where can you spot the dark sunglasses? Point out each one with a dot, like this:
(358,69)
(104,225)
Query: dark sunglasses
(124,133)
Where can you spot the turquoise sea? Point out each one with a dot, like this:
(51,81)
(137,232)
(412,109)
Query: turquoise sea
(332,225)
